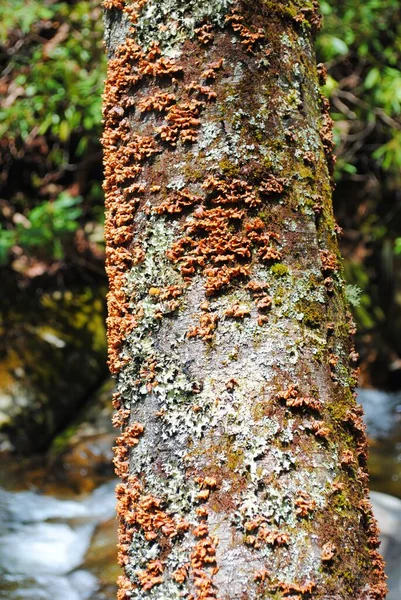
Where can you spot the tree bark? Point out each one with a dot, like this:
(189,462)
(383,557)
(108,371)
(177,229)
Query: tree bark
(242,453)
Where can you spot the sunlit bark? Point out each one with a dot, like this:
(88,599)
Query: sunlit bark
(243,452)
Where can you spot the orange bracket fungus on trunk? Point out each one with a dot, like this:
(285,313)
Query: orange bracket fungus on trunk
(242,452)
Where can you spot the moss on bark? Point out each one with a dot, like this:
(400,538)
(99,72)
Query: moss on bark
(228,325)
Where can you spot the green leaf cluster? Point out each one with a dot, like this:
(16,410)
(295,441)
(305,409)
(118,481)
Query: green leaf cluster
(361,42)
(57,85)
(50,123)
(45,229)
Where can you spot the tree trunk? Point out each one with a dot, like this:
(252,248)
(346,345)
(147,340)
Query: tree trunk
(243,451)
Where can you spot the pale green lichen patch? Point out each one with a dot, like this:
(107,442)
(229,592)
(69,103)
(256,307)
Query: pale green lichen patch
(155,270)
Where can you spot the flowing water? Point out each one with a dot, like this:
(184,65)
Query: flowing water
(44,543)
(55,548)
(383,419)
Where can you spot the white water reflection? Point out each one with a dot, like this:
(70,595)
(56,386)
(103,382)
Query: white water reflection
(80,585)
(382,411)
(44,540)
(41,548)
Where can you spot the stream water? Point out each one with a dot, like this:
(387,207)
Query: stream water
(55,548)
(44,544)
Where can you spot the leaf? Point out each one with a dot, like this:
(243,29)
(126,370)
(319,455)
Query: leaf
(372,78)
(7,241)
(339,46)
(64,131)
(397,246)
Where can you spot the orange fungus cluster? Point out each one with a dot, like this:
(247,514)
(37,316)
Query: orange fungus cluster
(219,239)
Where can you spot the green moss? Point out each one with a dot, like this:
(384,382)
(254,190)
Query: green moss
(305,172)
(191,173)
(259,135)
(283,9)
(293,99)
(61,442)
(228,168)
(290,9)
(338,410)
(268,162)
(259,410)
(342,330)
(312,312)
(264,215)
(279,270)
(233,355)
(320,355)
(340,502)
(234,459)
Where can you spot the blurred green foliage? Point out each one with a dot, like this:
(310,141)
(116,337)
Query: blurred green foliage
(361,44)
(53,64)
(45,228)
(57,79)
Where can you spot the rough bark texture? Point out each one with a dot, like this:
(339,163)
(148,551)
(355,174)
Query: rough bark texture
(242,453)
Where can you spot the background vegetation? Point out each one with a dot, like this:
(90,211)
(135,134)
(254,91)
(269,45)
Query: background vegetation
(52,67)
